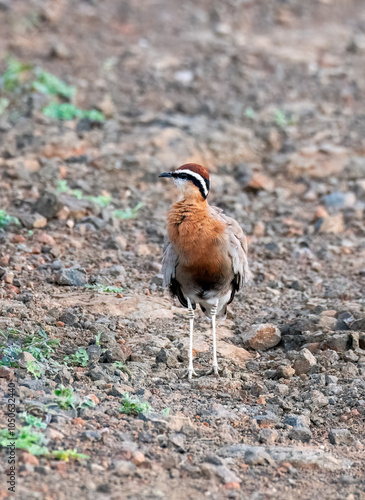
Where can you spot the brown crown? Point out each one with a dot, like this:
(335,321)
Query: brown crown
(198,169)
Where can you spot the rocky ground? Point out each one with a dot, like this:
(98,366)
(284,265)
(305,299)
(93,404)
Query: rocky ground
(269,96)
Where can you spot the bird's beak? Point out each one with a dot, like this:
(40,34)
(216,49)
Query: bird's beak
(166,174)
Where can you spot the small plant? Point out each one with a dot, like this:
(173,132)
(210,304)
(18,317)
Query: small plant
(4,103)
(133,406)
(86,403)
(97,338)
(129,213)
(119,366)
(166,412)
(6,219)
(62,186)
(46,83)
(40,346)
(80,358)
(35,368)
(65,397)
(250,113)
(25,439)
(66,455)
(10,355)
(33,421)
(280,118)
(14,75)
(103,200)
(67,111)
(105,288)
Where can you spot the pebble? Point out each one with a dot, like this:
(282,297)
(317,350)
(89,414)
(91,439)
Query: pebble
(123,468)
(70,277)
(299,457)
(262,337)
(268,436)
(6,373)
(285,372)
(305,362)
(318,399)
(340,437)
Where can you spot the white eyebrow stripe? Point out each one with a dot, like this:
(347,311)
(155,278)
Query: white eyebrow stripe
(197,176)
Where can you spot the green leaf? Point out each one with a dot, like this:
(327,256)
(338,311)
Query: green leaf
(6,220)
(67,111)
(65,455)
(129,213)
(47,83)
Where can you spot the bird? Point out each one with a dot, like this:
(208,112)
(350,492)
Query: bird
(205,253)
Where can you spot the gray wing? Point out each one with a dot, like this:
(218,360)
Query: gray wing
(169,263)
(237,248)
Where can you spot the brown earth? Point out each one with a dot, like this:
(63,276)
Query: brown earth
(269,95)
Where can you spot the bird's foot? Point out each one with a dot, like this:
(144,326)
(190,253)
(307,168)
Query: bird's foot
(214,369)
(190,373)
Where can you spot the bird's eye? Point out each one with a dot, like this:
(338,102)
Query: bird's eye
(183,176)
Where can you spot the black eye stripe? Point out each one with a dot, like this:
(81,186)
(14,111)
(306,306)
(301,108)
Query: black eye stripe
(196,181)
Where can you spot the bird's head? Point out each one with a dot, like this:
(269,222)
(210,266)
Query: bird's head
(191,179)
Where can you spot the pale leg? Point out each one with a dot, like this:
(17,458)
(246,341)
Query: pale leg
(191,371)
(213,312)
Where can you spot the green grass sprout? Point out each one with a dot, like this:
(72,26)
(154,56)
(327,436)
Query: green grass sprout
(133,405)
(105,288)
(66,455)
(67,111)
(65,398)
(129,213)
(80,358)
(6,219)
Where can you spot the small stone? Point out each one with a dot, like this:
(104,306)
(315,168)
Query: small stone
(268,436)
(260,182)
(138,458)
(259,229)
(47,205)
(339,342)
(68,318)
(339,200)
(60,51)
(6,373)
(143,250)
(285,371)
(24,358)
(350,356)
(304,362)
(94,353)
(31,165)
(303,434)
(340,437)
(321,212)
(331,379)
(262,337)
(70,277)
(123,468)
(8,277)
(318,399)
(257,456)
(282,389)
(332,224)
(178,441)
(60,324)
(226,475)
(39,221)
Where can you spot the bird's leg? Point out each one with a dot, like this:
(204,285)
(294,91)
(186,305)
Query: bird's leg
(190,371)
(213,312)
